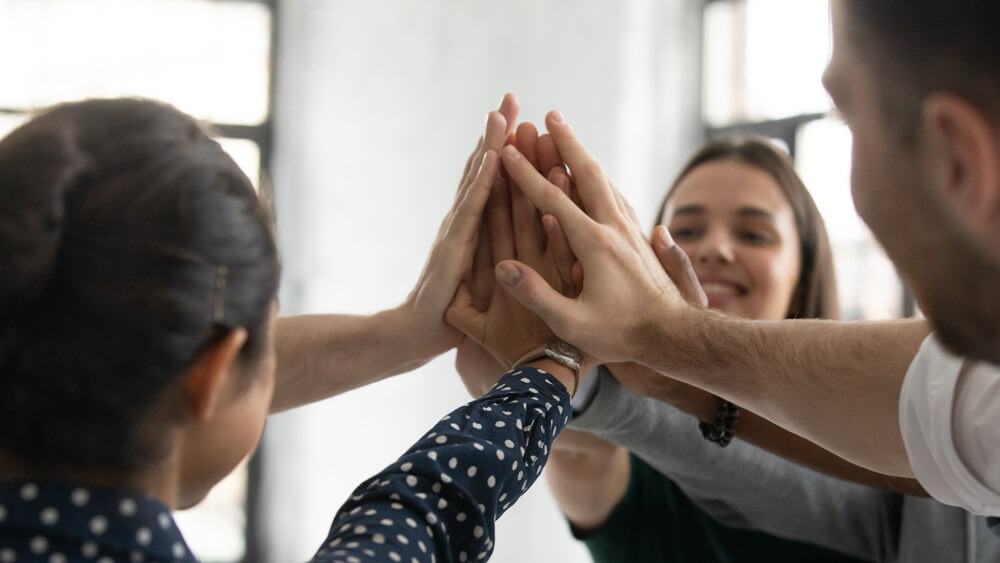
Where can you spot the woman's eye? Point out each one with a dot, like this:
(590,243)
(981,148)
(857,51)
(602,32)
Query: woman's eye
(683,234)
(754,237)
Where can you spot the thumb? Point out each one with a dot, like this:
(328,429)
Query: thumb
(463,315)
(531,290)
(678,266)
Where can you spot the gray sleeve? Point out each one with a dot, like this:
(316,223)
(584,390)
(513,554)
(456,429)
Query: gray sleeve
(742,485)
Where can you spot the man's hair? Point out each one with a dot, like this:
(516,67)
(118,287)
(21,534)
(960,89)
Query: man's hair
(917,47)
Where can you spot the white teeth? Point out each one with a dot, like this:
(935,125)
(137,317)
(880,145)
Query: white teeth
(719,289)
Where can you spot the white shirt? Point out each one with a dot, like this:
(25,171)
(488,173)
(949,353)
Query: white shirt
(949,414)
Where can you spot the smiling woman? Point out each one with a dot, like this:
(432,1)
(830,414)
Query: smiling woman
(733,222)
(752,231)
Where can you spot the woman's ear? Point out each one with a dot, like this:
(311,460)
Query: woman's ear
(962,152)
(206,379)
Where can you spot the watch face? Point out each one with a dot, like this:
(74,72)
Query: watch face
(564,354)
(564,349)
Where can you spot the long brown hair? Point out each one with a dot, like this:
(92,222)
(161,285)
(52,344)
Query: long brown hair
(816,290)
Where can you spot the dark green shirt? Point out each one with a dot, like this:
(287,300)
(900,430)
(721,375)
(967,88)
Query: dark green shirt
(656,522)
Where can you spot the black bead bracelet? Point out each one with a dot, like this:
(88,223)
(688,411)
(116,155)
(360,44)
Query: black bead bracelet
(722,430)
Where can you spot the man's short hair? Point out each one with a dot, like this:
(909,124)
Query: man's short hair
(917,47)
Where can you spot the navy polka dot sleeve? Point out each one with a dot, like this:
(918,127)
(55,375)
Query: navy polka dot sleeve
(438,502)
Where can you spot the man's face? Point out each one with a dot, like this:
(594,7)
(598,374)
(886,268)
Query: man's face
(896,195)
(879,176)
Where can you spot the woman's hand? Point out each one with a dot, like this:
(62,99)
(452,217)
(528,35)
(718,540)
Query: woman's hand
(625,293)
(451,257)
(490,317)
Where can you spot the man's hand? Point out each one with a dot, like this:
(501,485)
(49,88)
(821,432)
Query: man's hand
(644,381)
(625,288)
(491,318)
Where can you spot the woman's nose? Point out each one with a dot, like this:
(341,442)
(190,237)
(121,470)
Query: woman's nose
(715,247)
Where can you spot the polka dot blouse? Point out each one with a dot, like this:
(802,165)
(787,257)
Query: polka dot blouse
(436,503)
(58,523)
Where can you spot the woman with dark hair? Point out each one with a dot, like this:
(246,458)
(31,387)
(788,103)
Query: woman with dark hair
(138,357)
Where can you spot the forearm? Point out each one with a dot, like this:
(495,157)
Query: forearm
(742,485)
(440,499)
(587,476)
(320,356)
(767,435)
(836,384)
(758,430)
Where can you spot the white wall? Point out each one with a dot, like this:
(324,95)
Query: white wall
(378,105)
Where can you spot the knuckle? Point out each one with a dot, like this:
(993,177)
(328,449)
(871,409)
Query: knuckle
(683,260)
(592,169)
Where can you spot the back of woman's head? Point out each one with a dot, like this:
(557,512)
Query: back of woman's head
(816,291)
(128,242)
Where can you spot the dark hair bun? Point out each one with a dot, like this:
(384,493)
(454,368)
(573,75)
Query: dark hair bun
(115,217)
(39,166)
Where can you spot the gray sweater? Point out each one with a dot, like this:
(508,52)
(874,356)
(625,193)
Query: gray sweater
(744,486)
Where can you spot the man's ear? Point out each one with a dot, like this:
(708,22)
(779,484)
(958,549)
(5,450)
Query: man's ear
(963,150)
(206,379)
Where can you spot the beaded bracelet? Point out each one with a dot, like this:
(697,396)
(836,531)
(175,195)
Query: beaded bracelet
(722,430)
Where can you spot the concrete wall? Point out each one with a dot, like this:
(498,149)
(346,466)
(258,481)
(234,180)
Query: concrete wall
(378,105)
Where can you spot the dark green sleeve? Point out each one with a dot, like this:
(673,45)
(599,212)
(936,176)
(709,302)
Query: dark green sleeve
(655,522)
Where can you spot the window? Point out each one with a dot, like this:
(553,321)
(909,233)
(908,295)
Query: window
(762,66)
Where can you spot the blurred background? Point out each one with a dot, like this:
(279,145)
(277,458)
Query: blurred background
(361,114)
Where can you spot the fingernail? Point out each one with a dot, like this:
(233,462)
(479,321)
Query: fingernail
(557,117)
(663,235)
(511,152)
(508,274)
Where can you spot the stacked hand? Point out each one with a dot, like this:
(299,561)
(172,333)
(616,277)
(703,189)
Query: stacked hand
(517,228)
(498,329)
(451,256)
(625,289)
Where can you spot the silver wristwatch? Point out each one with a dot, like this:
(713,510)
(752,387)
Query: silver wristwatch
(562,353)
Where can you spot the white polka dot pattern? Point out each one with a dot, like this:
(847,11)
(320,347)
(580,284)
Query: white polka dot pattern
(439,501)
(81,524)
(446,492)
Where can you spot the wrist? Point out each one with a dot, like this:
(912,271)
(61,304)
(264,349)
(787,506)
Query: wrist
(559,353)
(722,429)
(565,375)
(397,328)
(676,340)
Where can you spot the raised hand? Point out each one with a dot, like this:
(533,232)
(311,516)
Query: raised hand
(451,256)
(491,318)
(624,289)
(644,381)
